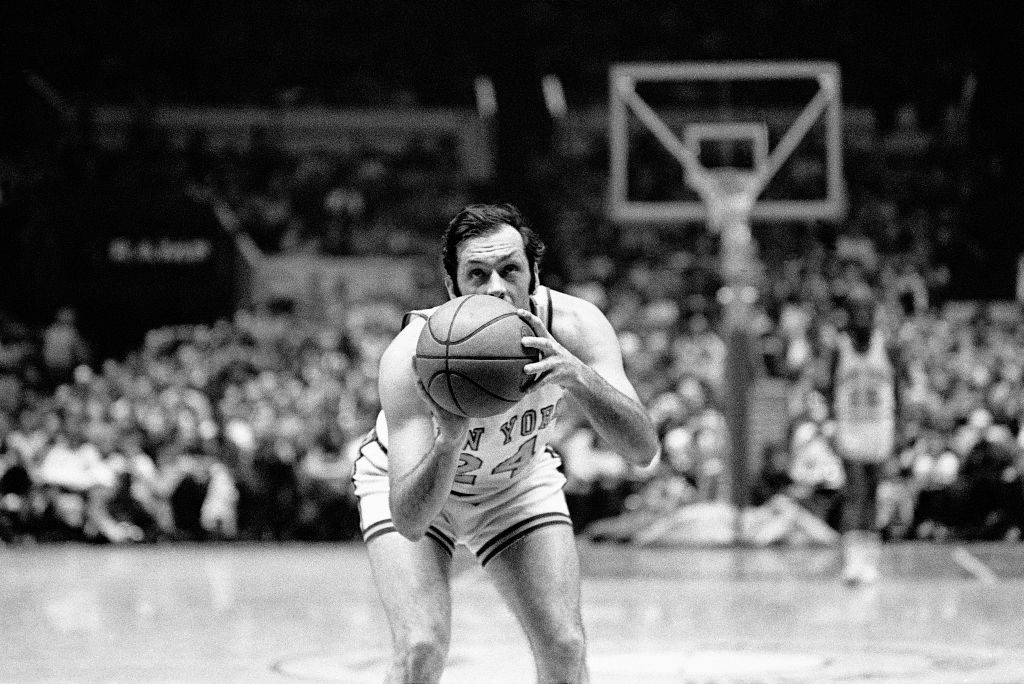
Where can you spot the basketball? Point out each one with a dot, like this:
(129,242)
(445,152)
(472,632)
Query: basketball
(470,357)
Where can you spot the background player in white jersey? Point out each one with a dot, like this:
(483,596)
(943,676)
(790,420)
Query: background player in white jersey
(439,479)
(865,396)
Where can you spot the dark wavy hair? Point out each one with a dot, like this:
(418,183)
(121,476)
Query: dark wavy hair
(480,219)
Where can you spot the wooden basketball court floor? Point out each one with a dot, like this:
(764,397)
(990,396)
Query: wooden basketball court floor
(308,613)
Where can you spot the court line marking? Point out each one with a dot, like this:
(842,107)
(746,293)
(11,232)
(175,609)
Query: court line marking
(809,661)
(974,567)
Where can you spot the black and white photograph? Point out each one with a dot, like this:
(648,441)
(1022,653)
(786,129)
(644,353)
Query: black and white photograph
(608,342)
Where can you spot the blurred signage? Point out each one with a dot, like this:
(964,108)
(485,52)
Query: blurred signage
(302,278)
(317,129)
(162,251)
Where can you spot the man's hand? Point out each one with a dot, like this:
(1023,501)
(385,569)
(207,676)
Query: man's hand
(557,364)
(451,426)
(588,366)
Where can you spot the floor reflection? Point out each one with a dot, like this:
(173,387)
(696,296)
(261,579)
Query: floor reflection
(297,612)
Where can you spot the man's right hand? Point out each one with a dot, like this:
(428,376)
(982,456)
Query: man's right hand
(451,426)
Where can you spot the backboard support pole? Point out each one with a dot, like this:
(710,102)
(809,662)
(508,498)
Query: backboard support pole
(730,202)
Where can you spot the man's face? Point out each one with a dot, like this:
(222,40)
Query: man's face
(495,264)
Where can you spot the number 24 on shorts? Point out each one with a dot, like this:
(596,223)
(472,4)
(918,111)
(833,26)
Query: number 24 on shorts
(468,463)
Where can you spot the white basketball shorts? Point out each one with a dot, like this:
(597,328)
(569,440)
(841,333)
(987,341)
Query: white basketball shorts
(487,524)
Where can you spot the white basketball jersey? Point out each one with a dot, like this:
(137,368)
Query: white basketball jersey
(865,401)
(501,449)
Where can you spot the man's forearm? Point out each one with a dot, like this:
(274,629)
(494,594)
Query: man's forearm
(620,420)
(417,496)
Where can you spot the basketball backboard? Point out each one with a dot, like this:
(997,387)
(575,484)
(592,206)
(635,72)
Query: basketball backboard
(782,120)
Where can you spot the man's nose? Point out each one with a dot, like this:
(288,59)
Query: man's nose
(496,286)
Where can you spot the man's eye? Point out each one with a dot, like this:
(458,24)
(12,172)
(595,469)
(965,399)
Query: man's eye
(511,269)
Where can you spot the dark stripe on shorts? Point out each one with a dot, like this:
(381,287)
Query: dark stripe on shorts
(377,529)
(437,535)
(385,526)
(518,531)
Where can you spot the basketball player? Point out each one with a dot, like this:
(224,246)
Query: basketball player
(865,407)
(428,479)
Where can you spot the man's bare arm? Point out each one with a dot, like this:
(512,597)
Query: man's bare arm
(421,457)
(589,367)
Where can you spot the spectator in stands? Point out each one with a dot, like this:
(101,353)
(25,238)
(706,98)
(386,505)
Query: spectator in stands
(700,352)
(595,475)
(219,512)
(669,487)
(141,497)
(64,348)
(29,436)
(816,471)
(896,501)
(15,486)
(79,485)
(189,387)
(990,490)
(188,483)
(794,499)
(325,488)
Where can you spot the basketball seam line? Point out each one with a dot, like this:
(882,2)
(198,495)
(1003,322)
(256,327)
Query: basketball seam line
(451,390)
(447,344)
(455,316)
(447,357)
(489,322)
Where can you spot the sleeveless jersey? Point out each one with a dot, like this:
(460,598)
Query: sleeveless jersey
(865,401)
(499,450)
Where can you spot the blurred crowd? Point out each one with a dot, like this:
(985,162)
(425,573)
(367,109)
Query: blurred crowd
(240,430)
(957,470)
(246,429)
(360,197)
(357,201)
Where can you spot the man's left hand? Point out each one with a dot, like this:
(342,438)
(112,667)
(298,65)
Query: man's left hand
(557,364)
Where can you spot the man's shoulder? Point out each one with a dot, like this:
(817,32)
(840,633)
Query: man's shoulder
(403,346)
(567,305)
(578,323)
(416,314)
